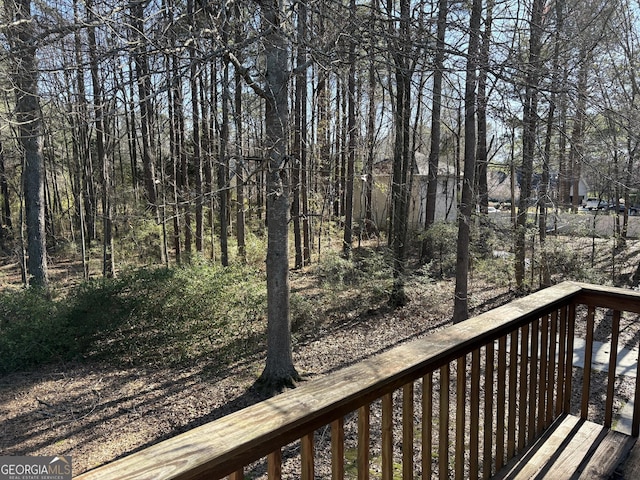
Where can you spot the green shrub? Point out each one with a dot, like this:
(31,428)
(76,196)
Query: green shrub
(440,241)
(154,316)
(567,262)
(29,332)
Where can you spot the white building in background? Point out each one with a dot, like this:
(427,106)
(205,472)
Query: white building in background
(381,195)
(498,183)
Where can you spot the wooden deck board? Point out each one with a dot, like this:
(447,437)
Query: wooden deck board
(630,468)
(571,449)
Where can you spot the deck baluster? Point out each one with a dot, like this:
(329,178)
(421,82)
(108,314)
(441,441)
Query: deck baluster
(239,475)
(501,401)
(635,423)
(407,431)
(427,424)
(551,367)
(488,410)
(568,379)
(337,449)
(542,383)
(443,436)
(474,430)
(387,437)
(461,412)
(274,465)
(588,356)
(364,414)
(522,386)
(562,362)
(513,389)
(613,360)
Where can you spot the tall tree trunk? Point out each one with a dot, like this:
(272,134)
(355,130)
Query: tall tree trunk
(297,147)
(174,150)
(402,155)
(143,81)
(434,151)
(223,163)
(371,126)
(351,148)
(530,125)
(577,133)
(196,138)
(279,370)
(29,118)
(108,262)
(4,191)
(482,147)
(461,302)
(544,197)
(564,169)
(240,165)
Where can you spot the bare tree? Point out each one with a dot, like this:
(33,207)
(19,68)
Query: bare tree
(436,109)
(21,35)
(279,371)
(108,263)
(352,134)
(465,210)
(530,125)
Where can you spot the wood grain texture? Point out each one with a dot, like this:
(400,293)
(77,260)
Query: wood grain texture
(222,447)
(571,448)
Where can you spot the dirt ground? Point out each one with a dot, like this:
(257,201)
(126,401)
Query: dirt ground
(97,413)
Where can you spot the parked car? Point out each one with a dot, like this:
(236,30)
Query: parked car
(633,211)
(593,203)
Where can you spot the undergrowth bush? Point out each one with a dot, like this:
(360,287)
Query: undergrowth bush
(440,240)
(566,262)
(29,331)
(367,269)
(147,316)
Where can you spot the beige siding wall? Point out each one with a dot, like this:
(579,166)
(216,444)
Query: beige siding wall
(445,203)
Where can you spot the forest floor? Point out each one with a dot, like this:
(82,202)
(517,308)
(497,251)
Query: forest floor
(96,412)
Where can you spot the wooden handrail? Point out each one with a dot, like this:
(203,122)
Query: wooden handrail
(223,447)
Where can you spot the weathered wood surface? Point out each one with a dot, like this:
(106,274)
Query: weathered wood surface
(570,449)
(609,297)
(224,446)
(630,468)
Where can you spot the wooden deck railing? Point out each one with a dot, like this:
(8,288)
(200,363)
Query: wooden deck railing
(460,402)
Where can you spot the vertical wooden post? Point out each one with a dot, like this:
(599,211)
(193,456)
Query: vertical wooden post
(443,434)
(500,406)
(306,453)
(513,389)
(363,442)
(427,424)
(238,475)
(562,362)
(613,361)
(523,387)
(407,431)
(337,449)
(274,465)
(461,388)
(588,356)
(474,430)
(533,382)
(551,368)
(542,378)
(635,423)
(387,437)
(568,370)
(488,410)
